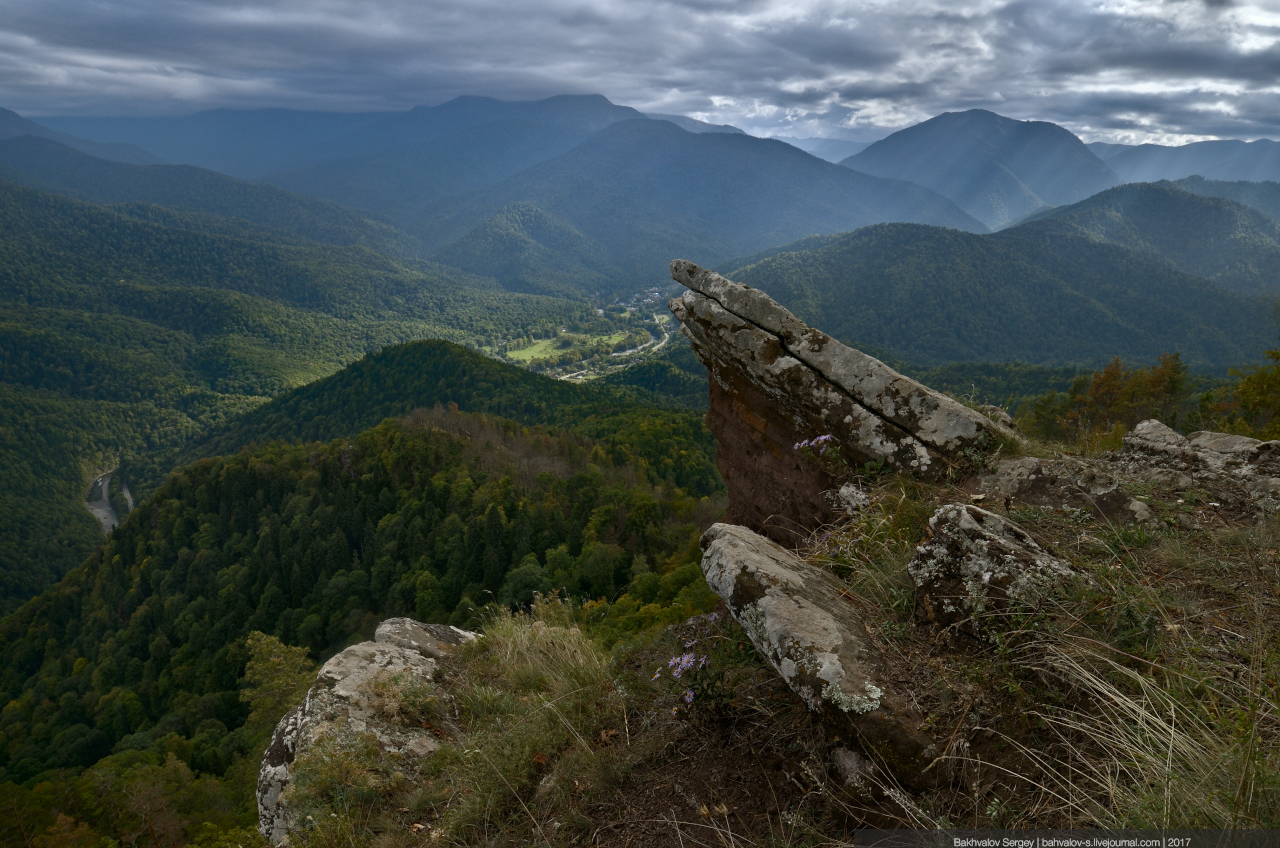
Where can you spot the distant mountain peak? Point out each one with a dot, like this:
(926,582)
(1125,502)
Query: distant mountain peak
(996,168)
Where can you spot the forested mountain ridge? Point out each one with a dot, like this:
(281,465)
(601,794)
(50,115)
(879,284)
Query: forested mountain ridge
(401,378)
(124,334)
(1226,242)
(13,125)
(1038,293)
(736,194)
(50,166)
(997,169)
(1222,159)
(259,143)
(315,543)
(529,250)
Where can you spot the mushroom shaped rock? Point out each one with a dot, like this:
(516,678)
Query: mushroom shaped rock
(776,383)
(349,699)
(978,568)
(799,619)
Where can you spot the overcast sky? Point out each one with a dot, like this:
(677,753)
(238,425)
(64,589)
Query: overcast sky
(1169,71)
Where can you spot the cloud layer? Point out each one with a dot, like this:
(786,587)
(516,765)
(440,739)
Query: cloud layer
(1114,70)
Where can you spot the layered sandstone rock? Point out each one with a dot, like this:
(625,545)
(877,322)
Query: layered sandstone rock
(776,382)
(347,700)
(799,619)
(977,569)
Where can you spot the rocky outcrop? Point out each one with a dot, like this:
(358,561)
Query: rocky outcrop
(346,699)
(1059,483)
(1242,472)
(777,383)
(800,620)
(977,569)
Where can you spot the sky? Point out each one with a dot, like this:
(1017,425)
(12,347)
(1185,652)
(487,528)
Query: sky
(1165,71)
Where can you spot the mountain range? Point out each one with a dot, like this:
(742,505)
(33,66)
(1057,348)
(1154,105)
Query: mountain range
(1227,159)
(997,169)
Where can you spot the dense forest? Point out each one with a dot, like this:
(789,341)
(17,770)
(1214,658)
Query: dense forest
(130,330)
(141,648)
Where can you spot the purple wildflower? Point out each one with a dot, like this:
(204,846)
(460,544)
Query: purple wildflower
(657,673)
(688,696)
(679,665)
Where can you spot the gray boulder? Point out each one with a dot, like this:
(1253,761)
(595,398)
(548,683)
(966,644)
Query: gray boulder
(799,619)
(1234,468)
(1060,483)
(977,568)
(348,699)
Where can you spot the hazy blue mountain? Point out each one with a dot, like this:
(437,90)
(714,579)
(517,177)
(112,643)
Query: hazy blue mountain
(262,142)
(831,149)
(13,125)
(50,166)
(692,124)
(647,191)
(399,183)
(995,168)
(1216,160)
(1226,242)
(245,143)
(529,250)
(1042,293)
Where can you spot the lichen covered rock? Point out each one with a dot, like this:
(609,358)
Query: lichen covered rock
(977,568)
(776,383)
(800,620)
(1242,471)
(349,699)
(1060,483)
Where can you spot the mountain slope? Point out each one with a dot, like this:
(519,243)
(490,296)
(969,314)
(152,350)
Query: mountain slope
(13,125)
(121,336)
(50,166)
(528,250)
(253,144)
(830,149)
(1227,242)
(1216,160)
(995,168)
(399,182)
(1038,293)
(1263,196)
(646,191)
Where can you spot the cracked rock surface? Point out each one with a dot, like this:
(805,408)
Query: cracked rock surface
(1062,483)
(977,568)
(775,382)
(1238,470)
(343,701)
(800,620)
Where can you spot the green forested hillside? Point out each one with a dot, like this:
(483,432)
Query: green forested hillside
(47,165)
(429,373)
(1227,242)
(122,335)
(529,250)
(142,647)
(1038,293)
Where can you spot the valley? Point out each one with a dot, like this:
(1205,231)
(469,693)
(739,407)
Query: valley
(269,378)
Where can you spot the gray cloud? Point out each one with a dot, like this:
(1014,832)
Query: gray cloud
(1128,70)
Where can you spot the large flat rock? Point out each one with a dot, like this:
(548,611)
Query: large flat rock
(800,621)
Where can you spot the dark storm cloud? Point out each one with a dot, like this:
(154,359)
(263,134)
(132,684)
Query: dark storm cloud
(1109,69)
